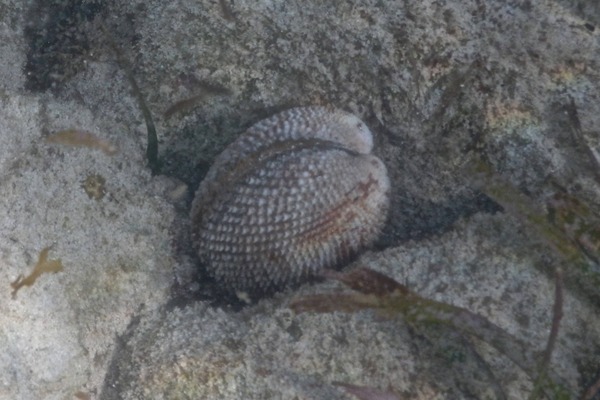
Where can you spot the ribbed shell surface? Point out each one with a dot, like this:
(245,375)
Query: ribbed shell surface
(296,193)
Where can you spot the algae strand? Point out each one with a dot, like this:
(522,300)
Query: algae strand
(80,138)
(43,266)
(152,146)
(376,291)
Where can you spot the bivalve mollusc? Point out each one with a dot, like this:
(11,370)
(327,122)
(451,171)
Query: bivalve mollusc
(294,194)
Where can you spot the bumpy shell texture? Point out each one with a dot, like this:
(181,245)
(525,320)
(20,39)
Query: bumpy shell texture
(294,194)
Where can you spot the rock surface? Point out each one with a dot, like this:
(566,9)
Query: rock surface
(514,83)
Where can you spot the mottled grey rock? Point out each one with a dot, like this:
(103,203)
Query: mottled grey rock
(515,83)
(267,351)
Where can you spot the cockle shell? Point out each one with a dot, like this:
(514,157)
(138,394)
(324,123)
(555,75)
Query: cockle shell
(294,194)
